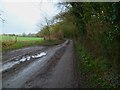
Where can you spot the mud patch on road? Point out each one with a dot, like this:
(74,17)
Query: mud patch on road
(21,64)
(45,72)
(8,56)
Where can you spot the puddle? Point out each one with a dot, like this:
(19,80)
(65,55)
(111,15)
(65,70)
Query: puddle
(10,64)
(28,58)
(23,59)
(39,55)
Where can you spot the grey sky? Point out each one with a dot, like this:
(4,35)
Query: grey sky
(23,16)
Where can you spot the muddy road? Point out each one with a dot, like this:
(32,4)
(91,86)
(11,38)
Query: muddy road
(46,67)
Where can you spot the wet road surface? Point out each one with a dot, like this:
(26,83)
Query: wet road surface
(8,56)
(63,74)
(41,73)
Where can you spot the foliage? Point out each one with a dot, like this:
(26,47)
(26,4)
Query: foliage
(62,29)
(99,73)
(99,22)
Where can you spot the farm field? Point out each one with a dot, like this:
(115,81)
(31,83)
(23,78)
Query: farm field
(12,38)
(11,42)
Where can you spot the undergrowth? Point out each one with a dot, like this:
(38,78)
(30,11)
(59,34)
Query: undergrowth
(96,70)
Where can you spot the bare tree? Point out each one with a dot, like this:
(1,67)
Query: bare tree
(46,22)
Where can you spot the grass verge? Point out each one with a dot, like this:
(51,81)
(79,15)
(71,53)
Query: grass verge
(94,72)
(22,44)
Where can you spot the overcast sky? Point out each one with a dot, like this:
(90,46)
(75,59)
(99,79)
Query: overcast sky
(22,17)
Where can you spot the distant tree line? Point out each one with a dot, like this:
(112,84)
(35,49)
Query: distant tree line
(20,35)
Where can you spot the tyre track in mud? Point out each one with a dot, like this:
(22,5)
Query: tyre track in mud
(45,72)
(60,73)
(12,78)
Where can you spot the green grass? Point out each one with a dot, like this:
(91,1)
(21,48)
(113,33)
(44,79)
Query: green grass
(4,38)
(8,42)
(97,69)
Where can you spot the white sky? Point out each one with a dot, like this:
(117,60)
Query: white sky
(23,16)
